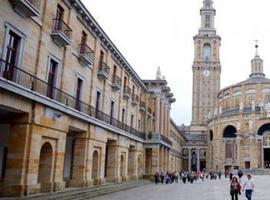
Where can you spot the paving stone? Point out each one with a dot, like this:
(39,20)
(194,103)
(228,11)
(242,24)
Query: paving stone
(208,190)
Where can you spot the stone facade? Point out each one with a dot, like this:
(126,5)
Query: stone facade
(73,112)
(239,132)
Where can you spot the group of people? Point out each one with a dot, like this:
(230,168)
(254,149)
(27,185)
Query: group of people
(236,186)
(185,176)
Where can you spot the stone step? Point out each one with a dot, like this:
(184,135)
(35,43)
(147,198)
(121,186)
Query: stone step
(86,193)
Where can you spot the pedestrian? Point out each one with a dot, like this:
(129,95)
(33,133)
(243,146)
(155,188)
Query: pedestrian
(162,177)
(156,177)
(184,177)
(240,175)
(219,174)
(248,187)
(176,176)
(235,189)
(231,175)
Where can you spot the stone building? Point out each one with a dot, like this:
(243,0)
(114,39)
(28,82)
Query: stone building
(238,133)
(73,112)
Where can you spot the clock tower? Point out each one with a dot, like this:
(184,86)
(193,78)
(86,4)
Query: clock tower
(206,68)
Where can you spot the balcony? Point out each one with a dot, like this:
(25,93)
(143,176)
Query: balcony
(126,93)
(61,33)
(169,95)
(135,100)
(172,100)
(103,71)
(86,55)
(158,138)
(142,106)
(29,84)
(116,83)
(27,8)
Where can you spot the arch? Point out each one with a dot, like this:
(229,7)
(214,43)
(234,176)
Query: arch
(206,52)
(263,129)
(45,164)
(95,168)
(211,135)
(229,132)
(122,166)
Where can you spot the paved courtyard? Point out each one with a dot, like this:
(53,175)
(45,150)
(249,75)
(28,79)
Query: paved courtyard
(209,190)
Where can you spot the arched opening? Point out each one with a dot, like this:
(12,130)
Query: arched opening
(45,167)
(206,52)
(211,135)
(229,132)
(122,167)
(95,165)
(264,155)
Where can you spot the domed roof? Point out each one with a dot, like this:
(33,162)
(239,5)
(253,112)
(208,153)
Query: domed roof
(255,79)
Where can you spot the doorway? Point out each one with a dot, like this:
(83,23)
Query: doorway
(266,157)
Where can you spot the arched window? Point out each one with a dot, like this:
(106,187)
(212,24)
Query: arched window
(206,52)
(229,132)
(211,135)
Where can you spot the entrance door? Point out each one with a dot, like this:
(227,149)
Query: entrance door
(267,157)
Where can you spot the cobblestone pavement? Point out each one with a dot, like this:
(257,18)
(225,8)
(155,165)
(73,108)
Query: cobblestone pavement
(209,190)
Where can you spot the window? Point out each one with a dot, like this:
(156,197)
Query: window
(98,103)
(78,93)
(52,77)
(133,92)
(206,52)
(207,18)
(12,54)
(101,59)
(229,149)
(139,124)
(131,121)
(84,38)
(123,115)
(112,112)
(114,72)
(60,12)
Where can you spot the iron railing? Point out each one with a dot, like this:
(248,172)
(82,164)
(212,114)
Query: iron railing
(60,26)
(85,50)
(103,67)
(11,73)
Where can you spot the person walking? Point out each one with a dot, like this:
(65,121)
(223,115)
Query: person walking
(248,187)
(235,188)
(156,177)
(162,177)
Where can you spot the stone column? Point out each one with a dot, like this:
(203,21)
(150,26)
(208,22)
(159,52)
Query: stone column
(157,120)
(161,128)
(161,158)
(189,159)
(198,159)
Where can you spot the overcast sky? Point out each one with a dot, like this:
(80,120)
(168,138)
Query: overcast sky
(152,33)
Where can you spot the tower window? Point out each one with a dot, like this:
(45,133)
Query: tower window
(206,52)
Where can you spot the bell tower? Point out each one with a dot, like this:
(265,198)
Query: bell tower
(206,67)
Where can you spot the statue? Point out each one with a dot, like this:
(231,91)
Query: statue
(250,125)
(253,105)
(216,111)
(220,110)
(241,106)
(267,109)
(238,126)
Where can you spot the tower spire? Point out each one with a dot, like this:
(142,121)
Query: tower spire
(208,13)
(257,63)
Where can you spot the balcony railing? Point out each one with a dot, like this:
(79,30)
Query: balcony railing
(142,106)
(116,82)
(86,54)
(27,80)
(135,99)
(127,92)
(27,8)
(166,140)
(103,71)
(61,32)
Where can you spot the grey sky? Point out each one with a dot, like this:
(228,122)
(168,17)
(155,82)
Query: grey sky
(152,33)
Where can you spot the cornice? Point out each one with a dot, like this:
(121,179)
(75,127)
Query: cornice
(105,40)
